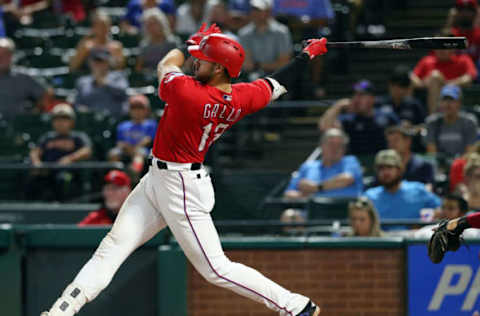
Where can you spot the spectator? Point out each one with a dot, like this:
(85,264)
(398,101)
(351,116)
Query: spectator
(462,22)
(133,20)
(409,110)
(417,169)
(294,216)
(158,40)
(453,132)
(364,218)
(364,124)
(64,146)
(238,11)
(335,175)
(453,206)
(191,15)
(22,12)
(115,190)
(397,198)
(98,39)
(456,174)
(442,67)
(103,90)
(134,137)
(268,44)
(306,18)
(73,8)
(19,93)
(472,183)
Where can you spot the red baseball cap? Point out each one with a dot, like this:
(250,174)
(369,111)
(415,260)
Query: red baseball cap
(117,177)
(466,4)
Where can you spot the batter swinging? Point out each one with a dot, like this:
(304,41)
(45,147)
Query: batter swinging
(177,191)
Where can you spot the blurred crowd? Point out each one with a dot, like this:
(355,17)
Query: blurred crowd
(67,58)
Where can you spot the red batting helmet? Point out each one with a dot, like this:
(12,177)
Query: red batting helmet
(220,49)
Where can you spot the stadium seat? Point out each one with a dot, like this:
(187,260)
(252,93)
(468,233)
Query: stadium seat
(328,208)
(32,124)
(41,59)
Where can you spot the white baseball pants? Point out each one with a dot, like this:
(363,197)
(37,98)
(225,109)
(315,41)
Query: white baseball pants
(181,199)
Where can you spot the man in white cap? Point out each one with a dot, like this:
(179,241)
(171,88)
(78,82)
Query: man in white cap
(268,43)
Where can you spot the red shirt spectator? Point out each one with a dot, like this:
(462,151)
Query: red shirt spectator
(473,37)
(115,191)
(456,173)
(99,217)
(456,66)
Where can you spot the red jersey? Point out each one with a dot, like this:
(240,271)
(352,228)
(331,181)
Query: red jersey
(197,114)
(98,217)
(473,37)
(457,66)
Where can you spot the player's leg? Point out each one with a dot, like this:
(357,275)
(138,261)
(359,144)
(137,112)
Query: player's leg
(189,220)
(137,222)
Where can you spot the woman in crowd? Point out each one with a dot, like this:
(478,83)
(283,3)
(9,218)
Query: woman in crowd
(159,40)
(98,39)
(364,218)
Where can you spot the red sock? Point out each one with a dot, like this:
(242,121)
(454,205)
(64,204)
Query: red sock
(474,220)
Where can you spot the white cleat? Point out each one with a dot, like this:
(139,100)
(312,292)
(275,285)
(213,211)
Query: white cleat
(44,314)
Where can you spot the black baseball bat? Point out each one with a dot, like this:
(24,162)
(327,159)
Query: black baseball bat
(407,43)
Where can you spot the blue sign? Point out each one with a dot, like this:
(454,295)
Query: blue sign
(450,288)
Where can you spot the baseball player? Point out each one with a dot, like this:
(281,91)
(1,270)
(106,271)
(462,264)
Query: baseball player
(177,191)
(447,235)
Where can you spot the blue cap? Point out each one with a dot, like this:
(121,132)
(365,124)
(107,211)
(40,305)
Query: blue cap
(239,7)
(451,91)
(364,86)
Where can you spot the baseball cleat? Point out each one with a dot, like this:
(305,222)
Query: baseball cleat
(310,310)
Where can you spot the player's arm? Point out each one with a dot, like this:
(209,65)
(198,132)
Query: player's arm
(170,63)
(176,57)
(281,80)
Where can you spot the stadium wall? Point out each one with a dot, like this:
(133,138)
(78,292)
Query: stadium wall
(346,276)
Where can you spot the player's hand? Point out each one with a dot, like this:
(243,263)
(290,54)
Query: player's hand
(316,47)
(196,38)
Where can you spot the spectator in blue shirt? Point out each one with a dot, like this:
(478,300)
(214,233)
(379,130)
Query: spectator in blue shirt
(132,21)
(134,137)
(335,175)
(361,121)
(396,198)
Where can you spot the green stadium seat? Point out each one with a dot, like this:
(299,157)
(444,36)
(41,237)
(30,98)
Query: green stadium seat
(43,60)
(32,124)
(129,41)
(328,208)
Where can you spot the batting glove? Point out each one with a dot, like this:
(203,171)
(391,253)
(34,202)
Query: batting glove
(196,38)
(316,47)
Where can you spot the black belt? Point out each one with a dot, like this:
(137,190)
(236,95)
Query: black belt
(163,165)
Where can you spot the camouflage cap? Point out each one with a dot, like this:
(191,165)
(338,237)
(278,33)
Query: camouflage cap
(388,157)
